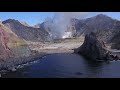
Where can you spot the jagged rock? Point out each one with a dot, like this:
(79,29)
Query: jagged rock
(93,49)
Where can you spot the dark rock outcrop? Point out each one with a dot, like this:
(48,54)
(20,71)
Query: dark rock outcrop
(93,49)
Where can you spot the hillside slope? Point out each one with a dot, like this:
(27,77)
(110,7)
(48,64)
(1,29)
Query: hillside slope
(11,45)
(25,32)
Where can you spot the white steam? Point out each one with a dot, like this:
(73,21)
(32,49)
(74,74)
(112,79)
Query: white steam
(60,22)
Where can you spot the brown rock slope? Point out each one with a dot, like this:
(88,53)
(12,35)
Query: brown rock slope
(11,45)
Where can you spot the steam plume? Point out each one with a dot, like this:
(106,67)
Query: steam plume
(61,20)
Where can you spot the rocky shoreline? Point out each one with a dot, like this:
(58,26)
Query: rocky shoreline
(15,63)
(38,51)
(91,48)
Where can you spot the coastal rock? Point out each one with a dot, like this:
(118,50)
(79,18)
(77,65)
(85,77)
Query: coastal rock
(93,49)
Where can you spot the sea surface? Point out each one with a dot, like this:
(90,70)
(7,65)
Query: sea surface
(67,66)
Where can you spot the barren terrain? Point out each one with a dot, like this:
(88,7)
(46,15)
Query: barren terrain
(62,46)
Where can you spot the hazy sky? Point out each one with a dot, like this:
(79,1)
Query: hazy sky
(33,18)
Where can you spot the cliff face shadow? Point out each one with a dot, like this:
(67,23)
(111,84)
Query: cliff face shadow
(94,67)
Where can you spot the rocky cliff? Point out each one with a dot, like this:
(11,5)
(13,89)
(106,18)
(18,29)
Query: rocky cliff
(93,48)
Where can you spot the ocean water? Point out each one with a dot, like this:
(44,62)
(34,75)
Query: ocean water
(67,66)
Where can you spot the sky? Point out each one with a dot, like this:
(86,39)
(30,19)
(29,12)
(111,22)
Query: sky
(32,18)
